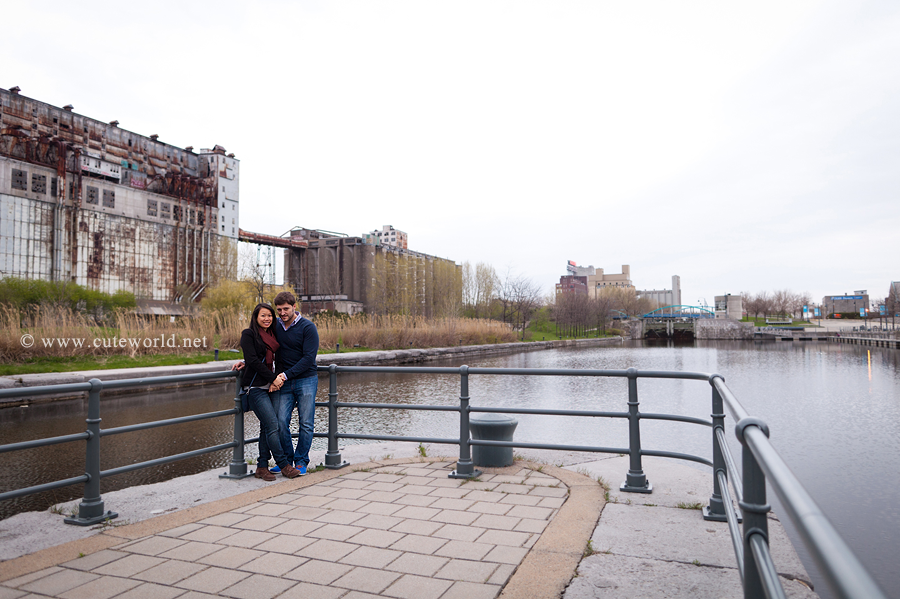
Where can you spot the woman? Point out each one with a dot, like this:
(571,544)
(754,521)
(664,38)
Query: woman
(259,347)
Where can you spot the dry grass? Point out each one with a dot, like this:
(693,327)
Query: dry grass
(83,337)
(403,332)
(221,329)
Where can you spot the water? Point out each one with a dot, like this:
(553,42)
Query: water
(833,411)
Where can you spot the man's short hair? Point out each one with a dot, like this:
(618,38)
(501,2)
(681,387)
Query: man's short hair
(285,297)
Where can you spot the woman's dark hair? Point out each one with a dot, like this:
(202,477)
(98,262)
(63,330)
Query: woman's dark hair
(253,323)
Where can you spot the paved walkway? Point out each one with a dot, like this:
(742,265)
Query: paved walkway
(403,529)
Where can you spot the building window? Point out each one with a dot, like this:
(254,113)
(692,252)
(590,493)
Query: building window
(223,228)
(19,179)
(92,195)
(54,186)
(177,212)
(109,198)
(39,183)
(165,210)
(151,208)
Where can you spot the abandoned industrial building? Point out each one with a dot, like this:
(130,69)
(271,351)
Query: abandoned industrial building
(86,201)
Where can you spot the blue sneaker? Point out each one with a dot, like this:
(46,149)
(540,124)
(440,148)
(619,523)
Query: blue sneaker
(275,469)
(301,468)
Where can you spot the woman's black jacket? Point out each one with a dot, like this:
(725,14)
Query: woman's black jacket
(255,359)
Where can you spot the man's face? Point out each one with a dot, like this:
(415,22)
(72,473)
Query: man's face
(285,312)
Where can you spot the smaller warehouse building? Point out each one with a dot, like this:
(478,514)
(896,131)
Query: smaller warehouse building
(846,306)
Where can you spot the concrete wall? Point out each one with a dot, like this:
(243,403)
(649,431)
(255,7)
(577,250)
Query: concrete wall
(722,328)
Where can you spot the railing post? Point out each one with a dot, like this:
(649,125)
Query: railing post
(716,508)
(635,481)
(91,508)
(754,507)
(333,455)
(465,468)
(238,467)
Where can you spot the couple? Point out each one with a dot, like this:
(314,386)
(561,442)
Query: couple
(286,345)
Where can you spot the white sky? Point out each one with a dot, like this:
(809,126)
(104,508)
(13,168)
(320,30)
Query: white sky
(742,146)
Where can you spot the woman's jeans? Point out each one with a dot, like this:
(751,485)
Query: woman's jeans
(269,442)
(302,394)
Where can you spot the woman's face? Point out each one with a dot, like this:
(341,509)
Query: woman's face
(264,318)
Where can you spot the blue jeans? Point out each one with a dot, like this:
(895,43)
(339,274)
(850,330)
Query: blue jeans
(302,394)
(269,442)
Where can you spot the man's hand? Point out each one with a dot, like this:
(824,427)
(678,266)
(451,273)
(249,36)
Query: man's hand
(238,365)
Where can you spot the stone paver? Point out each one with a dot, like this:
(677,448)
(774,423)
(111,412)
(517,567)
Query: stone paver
(402,531)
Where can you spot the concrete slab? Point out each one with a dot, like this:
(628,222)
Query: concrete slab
(604,576)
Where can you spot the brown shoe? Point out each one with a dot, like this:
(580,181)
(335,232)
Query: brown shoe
(289,472)
(264,474)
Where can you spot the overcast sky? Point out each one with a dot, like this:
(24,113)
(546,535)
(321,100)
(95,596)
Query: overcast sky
(742,146)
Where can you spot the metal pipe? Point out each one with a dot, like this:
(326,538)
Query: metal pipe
(91,509)
(169,460)
(715,510)
(333,455)
(769,575)
(45,487)
(237,469)
(635,481)
(733,528)
(844,572)
(465,468)
(157,423)
(43,442)
(755,508)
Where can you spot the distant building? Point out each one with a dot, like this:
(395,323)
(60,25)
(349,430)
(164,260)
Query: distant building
(593,278)
(665,297)
(892,302)
(388,236)
(332,271)
(572,284)
(729,306)
(846,306)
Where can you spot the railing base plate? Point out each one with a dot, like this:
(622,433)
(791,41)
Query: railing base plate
(236,476)
(720,517)
(624,488)
(91,521)
(336,466)
(456,474)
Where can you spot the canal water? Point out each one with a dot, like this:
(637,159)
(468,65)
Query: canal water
(833,411)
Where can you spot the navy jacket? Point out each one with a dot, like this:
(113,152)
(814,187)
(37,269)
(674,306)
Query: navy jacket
(296,356)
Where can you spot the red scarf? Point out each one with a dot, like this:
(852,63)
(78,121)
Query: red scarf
(271,347)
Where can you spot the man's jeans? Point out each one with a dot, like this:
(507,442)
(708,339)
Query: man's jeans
(302,394)
(269,440)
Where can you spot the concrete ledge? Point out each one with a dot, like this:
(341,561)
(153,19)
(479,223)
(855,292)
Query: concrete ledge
(370,358)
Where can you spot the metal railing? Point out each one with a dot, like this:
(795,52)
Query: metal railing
(91,510)
(761,464)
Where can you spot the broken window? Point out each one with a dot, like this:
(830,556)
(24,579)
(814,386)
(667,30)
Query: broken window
(109,198)
(19,179)
(93,195)
(54,187)
(39,183)
(151,207)
(177,213)
(165,210)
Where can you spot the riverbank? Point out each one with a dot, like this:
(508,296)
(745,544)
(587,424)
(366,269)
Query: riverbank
(369,358)
(393,524)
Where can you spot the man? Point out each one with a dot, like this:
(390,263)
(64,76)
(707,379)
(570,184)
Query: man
(295,362)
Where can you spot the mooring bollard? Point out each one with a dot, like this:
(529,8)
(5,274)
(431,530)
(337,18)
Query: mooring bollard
(492,427)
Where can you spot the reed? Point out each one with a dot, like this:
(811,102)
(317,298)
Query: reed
(60,332)
(403,332)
